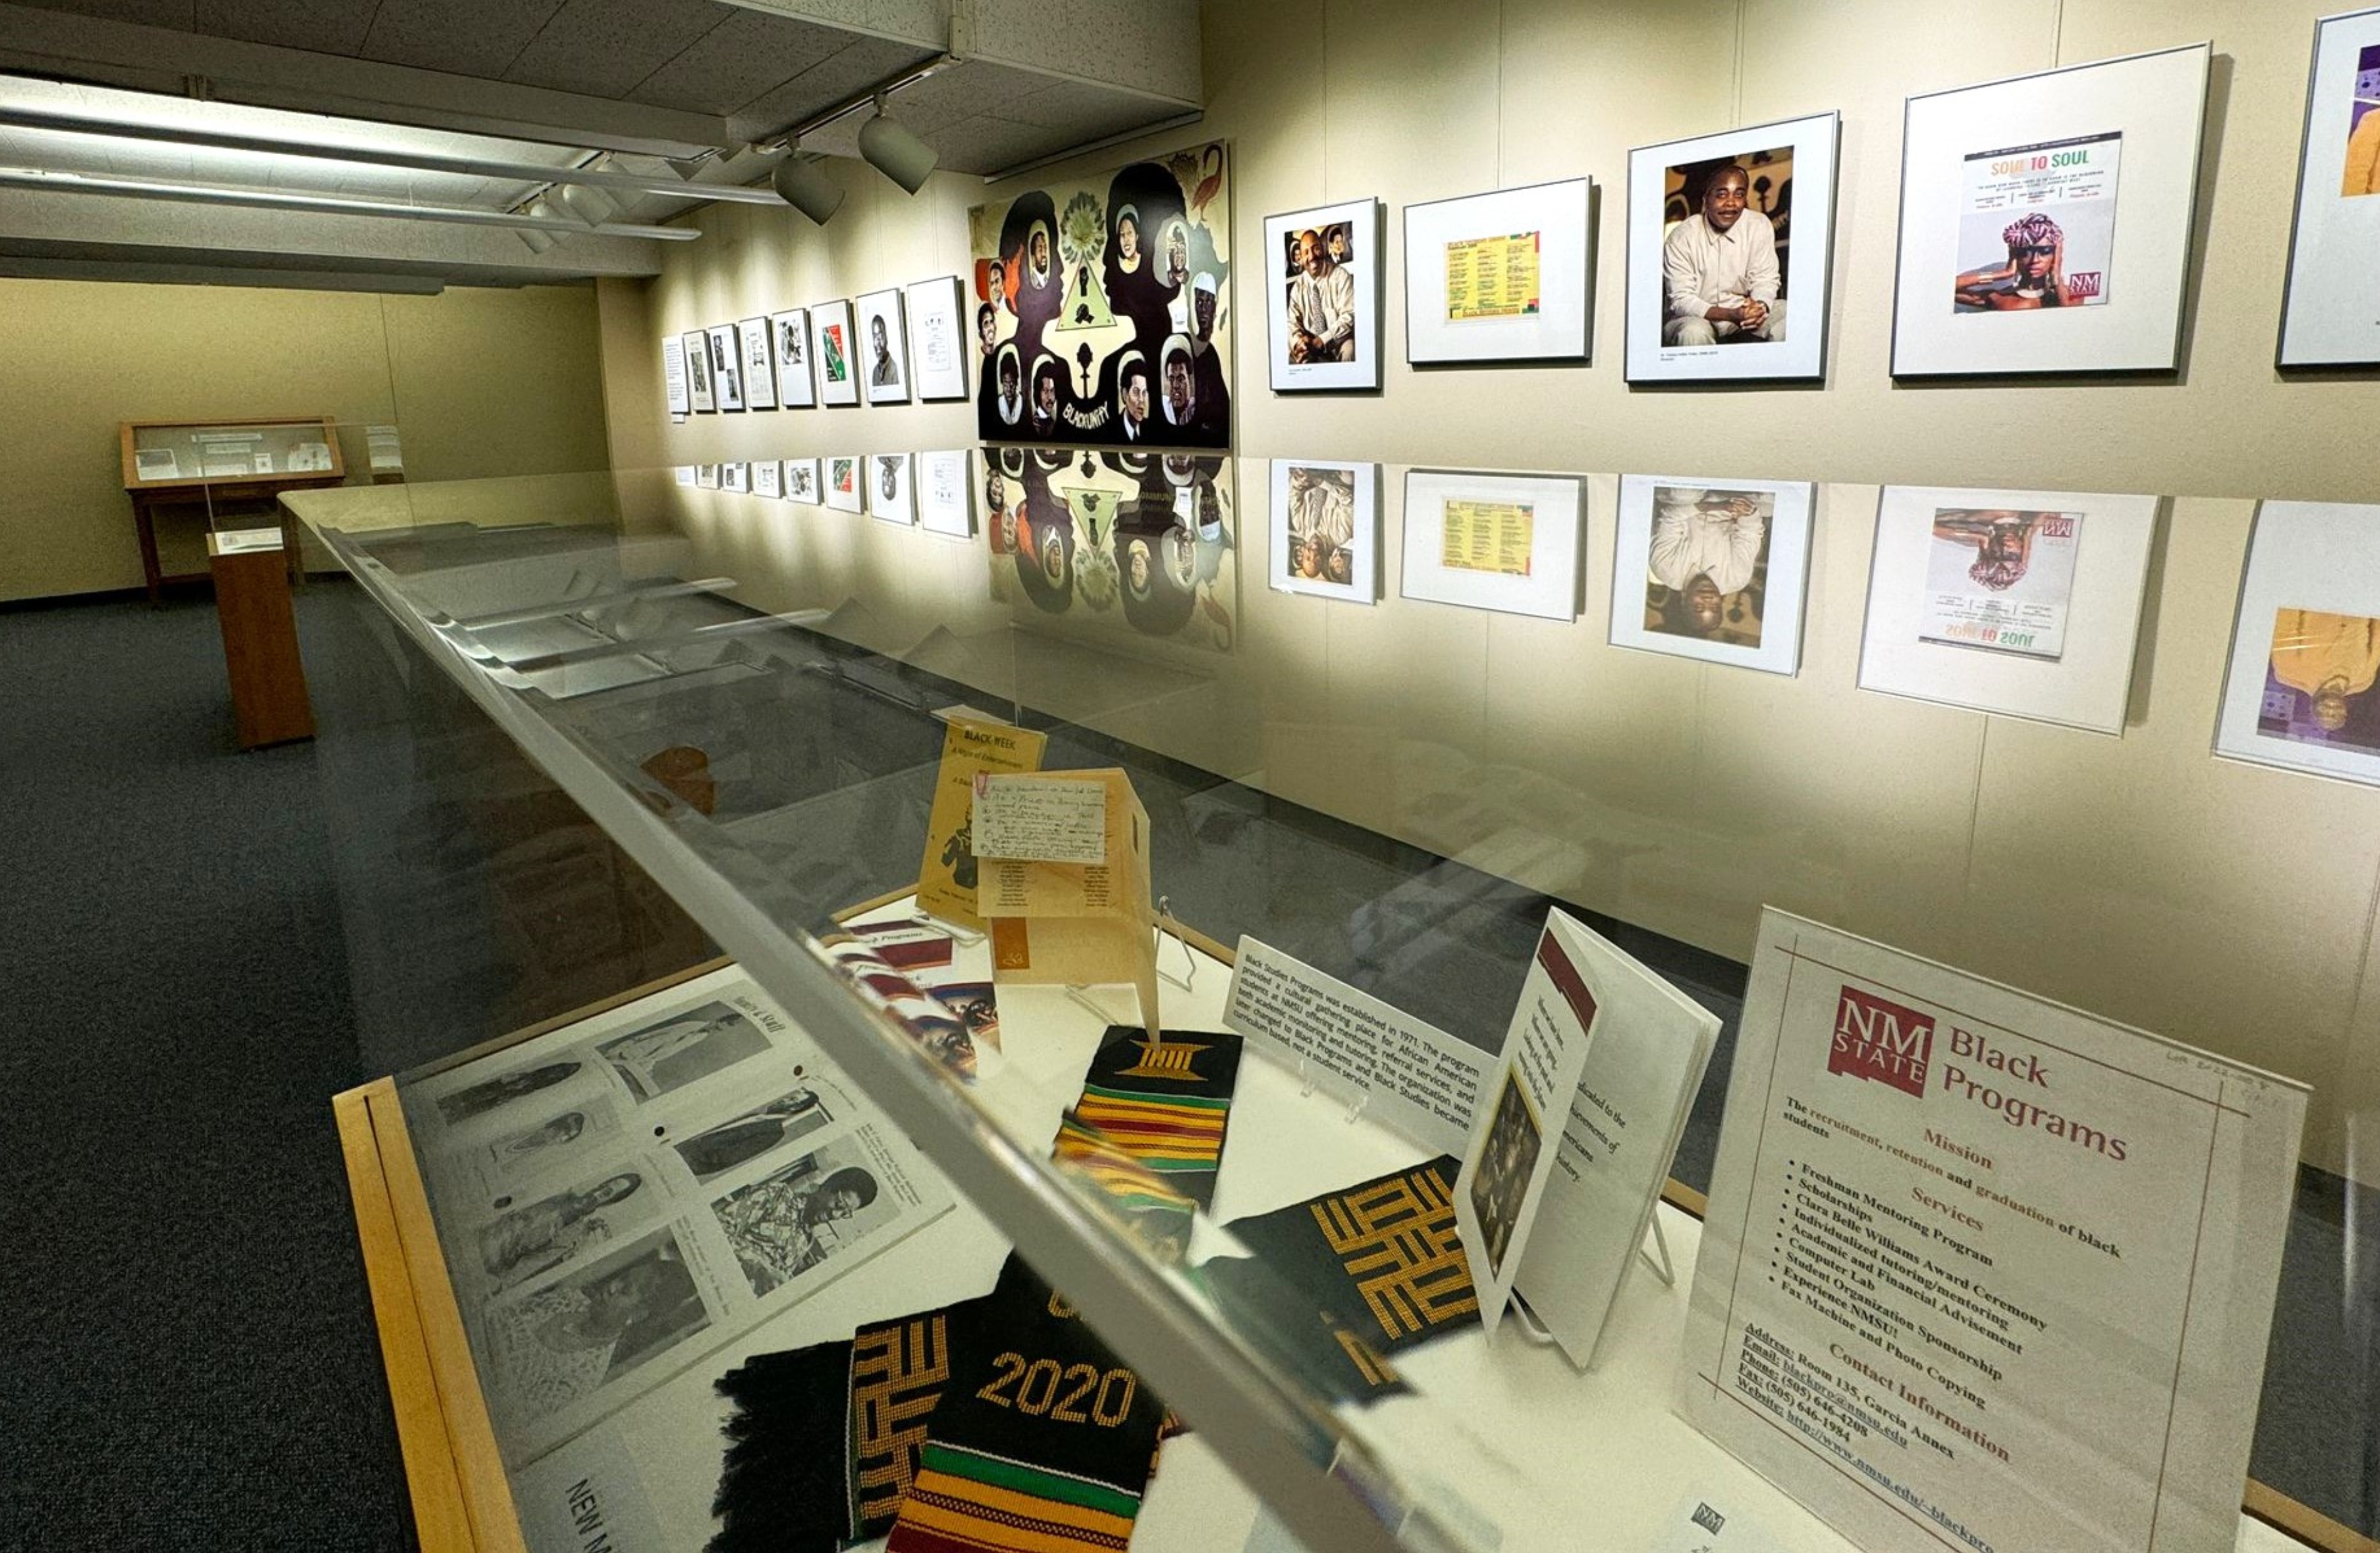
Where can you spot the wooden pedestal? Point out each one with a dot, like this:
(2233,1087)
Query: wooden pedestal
(259,633)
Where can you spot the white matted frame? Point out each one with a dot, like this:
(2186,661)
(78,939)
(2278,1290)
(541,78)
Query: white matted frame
(2066,143)
(1936,631)
(945,500)
(726,366)
(673,375)
(1555,506)
(760,373)
(1337,363)
(834,354)
(706,477)
(790,332)
(937,338)
(889,497)
(696,343)
(1799,185)
(1326,529)
(881,344)
(802,481)
(842,478)
(2327,316)
(1556,215)
(768,479)
(2307,633)
(735,477)
(1749,539)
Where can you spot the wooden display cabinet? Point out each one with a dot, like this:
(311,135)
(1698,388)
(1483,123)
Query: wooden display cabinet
(220,468)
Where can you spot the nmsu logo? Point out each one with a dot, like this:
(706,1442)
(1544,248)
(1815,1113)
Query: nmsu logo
(1881,1040)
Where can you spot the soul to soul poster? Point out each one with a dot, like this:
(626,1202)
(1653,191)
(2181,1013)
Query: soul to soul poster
(1102,309)
(2036,225)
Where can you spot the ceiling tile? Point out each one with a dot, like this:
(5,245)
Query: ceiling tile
(323,26)
(743,57)
(175,14)
(605,47)
(463,37)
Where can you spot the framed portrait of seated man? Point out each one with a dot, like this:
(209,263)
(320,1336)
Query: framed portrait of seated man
(1731,239)
(1322,302)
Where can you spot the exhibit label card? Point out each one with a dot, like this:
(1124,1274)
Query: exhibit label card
(946,880)
(1620,1131)
(674,375)
(1505,1170)
(1981,1271)
(1416,1079)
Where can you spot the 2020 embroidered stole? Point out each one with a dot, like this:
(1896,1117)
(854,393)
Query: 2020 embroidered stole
(999,1423)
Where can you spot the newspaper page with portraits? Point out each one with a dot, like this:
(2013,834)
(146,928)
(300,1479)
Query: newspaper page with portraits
(621,1197)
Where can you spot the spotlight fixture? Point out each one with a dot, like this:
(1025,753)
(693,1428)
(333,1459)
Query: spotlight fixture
(589,204)
(805,186)
(893,149)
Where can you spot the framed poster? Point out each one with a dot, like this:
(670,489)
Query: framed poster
(768,479)
(736,477)
(1322,298)
(1087,278)
(674,375)
(945,506)
(2046,219)
(2327,316)
(1326,529)
(2015,1260)
(802,481)
(883,349)
(2305,644)
(1713,568)
(790,334)
(842,476)
(760,363)
(1508,543)
(1499,278)
(706,477)
(1721,252)
(2022,602)
(697,347)
(726,369)
(831,346)
(1133,543)
(937,339)
(887,487)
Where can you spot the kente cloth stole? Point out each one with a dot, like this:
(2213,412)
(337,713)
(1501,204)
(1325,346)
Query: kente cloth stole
(1049,1448)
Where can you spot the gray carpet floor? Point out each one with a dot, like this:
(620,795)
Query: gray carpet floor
(188,1359)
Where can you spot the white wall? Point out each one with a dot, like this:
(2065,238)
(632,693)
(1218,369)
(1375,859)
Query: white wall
(2226,905)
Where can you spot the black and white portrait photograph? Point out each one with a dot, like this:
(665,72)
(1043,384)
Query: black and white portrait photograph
(884,360)
(694,1044)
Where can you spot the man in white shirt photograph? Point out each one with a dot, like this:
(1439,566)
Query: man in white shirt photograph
(1707,547)
(1321,305)
(1719,272)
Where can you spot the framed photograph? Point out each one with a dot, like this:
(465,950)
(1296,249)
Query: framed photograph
(1712,568)
(697,347)
(2305,644)
(831,345)
(2327,315)
(1499,278)
(937,338)
(887,475)
(2022,602)
(1721,254)
(768,479)
(726,366)
(789,333)
(802,481)
(843,476)
(684,472)
(945,506)
(883,349)
(735,477)
(2046,221)
(674,375)
(1325,529)
(1508,543)
(1322,300)
(760,359)
(706,477)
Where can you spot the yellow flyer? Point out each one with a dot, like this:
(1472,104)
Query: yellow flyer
(946,880)
(1497,536)
(1492,277)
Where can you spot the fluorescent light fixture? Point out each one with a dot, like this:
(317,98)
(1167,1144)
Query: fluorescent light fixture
(805,186)
(893,149)
(209,194)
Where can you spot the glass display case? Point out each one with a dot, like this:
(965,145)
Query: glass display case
(734,1190)
(228,474)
